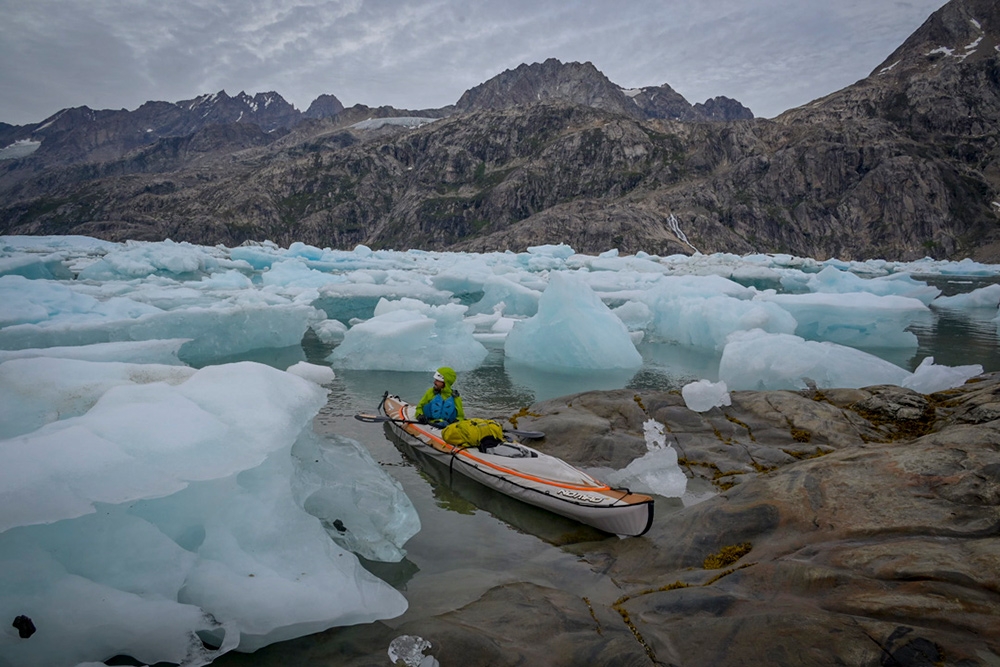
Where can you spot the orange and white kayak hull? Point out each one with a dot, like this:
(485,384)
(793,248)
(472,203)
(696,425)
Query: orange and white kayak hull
(531,476)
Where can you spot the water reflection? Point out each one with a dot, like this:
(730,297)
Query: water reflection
(549,384)
(958,338)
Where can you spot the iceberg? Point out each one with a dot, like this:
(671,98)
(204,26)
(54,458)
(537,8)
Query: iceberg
(654,472)
(409,335)
(516,298)
(42,313)
(929,377)
(758,360)
(572,330)
(703,395)
(312,372)
(832,280)
(146,511)
(142,259)
(857,319)
(156,351)
(161,503)
(983,297)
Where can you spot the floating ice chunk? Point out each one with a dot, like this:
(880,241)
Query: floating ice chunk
(409,649)
(84,610)
(635,314)
(707,320)
(761,277)
(362,508)
(654,472)
(465,276)
(294,273)
(299,249)
(929,378)
(135,352)
(258,256)
(561,251)
(226,280)
(265,567)
(984,297)
(858,319)
(142,438)
(411,336)
(198,529)
(516,298)
(573,330)
(166,258)
(77,245)
(833,280)
(35,391)
(330,331)
(758,360)
(63,317)
(485,321)
(504,325)
(492,329)
(703,395)
(965,267)
(44,267)
(312,372)
(43,301)
(344,301)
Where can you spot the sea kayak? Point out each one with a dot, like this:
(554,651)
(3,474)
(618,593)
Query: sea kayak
(529,475)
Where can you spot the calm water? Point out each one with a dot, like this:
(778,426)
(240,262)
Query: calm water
(473,539)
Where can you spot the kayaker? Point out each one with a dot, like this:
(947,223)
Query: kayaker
(441,404)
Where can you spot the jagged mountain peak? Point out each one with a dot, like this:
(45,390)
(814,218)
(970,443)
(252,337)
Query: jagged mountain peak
(324,106)
(258,102)
(960,31)
(942,80)
(548,81)
(582,83)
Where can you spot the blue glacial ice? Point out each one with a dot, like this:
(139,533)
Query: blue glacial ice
(572,330)
(147,504)
(703,395)
(153,503)
(758,360)
(410,335)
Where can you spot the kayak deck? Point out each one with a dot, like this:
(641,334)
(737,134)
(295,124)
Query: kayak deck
(532,476)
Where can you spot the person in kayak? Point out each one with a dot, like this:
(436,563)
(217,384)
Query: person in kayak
(441,405)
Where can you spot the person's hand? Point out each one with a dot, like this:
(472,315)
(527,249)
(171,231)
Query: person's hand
(422,419)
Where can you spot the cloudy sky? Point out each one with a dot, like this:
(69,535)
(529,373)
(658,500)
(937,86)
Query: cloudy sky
(771,55)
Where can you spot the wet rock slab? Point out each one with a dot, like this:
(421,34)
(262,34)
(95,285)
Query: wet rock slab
(869,522)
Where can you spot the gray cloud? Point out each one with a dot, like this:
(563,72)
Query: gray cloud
(769,54)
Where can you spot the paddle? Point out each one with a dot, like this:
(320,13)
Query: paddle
(531,435)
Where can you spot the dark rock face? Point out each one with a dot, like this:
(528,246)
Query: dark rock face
(901,165)
(324,106)
(871,519)
(551,81)
(582,84)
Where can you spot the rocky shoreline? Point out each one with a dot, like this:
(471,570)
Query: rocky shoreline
(851,526)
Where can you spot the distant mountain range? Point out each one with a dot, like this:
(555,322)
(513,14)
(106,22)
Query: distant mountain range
(901,165)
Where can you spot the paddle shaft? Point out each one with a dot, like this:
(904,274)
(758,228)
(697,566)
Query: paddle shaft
(533,435)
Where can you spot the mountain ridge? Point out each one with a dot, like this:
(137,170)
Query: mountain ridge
(903,164)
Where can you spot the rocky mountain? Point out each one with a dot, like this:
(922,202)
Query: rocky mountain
(901,165)
(82,134)
(582,84)
(324,106)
